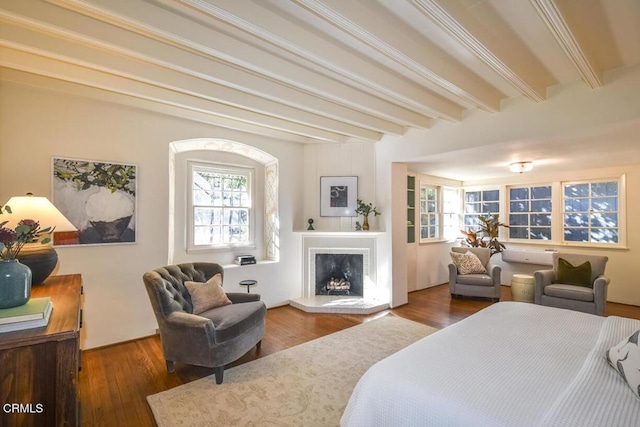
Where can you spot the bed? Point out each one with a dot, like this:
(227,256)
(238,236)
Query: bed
(511,364)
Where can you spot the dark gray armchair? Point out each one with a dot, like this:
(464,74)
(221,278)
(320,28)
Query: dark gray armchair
(579,298)
(476,285)
(213,338)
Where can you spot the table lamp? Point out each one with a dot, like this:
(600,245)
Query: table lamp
(40,258)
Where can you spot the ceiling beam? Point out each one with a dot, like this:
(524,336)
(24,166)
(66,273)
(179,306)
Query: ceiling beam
(557,24)
(15,57)
(311,48)
(527,86)
(371,26)
(119,58)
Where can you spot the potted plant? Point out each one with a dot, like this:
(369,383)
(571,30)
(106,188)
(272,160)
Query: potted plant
(15,277)
(365,209)
(487,235)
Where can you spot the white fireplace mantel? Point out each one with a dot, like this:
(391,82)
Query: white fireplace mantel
(361,242)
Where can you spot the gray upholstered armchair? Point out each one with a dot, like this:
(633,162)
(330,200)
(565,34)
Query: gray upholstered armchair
(476,285)
(213,338)
(589,299)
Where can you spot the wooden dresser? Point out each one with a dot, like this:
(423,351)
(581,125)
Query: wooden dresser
(39,367)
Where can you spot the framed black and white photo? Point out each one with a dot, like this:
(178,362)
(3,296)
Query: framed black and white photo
(338,195)
(99,198)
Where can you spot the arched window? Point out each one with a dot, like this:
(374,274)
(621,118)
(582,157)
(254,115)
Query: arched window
(221,217)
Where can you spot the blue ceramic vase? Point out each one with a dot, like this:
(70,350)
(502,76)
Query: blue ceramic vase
(15,283)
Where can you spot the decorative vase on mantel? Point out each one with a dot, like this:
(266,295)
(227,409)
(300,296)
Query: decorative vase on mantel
(15,283)
(365,224)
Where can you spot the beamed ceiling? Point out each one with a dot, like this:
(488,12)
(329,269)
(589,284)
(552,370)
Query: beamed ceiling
(317,70)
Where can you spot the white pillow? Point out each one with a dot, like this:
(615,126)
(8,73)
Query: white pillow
(205,296)
(468,263)
(625,358)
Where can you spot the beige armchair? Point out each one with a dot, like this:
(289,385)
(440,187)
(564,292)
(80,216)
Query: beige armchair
(212,338)
(590,299)
(485,285)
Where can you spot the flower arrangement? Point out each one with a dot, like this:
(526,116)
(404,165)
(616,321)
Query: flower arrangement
(487,235)
(365,209)
(27,231)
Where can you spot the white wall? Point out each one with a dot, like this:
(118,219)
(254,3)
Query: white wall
(570,109)
(37,124)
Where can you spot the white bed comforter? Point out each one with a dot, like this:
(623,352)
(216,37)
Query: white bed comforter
(512,364)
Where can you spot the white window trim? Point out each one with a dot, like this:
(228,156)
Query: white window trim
(224,168)
(438,213)
(622,214)
(555,187)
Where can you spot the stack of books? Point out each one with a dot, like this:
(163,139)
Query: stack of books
(245,259)
(34,314)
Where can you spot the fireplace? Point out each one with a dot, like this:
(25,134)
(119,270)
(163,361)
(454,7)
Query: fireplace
(339,274)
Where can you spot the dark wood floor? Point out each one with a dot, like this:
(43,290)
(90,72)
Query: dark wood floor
(115,380)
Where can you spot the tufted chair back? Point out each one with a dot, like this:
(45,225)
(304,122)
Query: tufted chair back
(166,284)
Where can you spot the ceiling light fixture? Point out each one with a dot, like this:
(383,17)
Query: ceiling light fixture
(521,167)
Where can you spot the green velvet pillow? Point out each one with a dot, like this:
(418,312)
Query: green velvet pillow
(570,275)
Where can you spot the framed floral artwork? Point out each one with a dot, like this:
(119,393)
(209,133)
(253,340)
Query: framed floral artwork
(99,198)
(338,195)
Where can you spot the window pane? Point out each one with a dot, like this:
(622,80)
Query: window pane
(424,219)
(576,190)
(207,198)
(431,207)
(540,233)
(600,189)
(472,196)
(541,206)
(604,220)
(604,235)
(604,204)
(207,235)
(576,205)
(541,192)
(491,207)
(576,220)
(472,208)
(424,233)
(433,231)
(236,216)
(519,194)
(235,234)
(519,206)
(207,216)
(433,220)
(518,233)
(518,219)
(541,220)
(576,234)
(491,195)
(470,220)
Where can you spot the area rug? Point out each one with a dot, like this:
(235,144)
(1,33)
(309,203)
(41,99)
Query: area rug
(306,385)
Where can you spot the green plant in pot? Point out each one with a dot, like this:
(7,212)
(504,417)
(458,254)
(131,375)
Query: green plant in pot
(15,277)
(486,236)
(365,209)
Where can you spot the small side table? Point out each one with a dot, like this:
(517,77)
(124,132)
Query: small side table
(523,288)
(248,284)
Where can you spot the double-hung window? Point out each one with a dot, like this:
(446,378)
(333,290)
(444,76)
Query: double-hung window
(530,211)
(220,205)
(429,212)
(479,203)
(591,212)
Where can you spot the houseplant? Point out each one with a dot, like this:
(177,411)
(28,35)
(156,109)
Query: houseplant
(487,235)
(365,209)
(15,277)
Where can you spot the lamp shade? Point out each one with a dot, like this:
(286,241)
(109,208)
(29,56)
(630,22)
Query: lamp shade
(41,259)
(521,167)
(38,209)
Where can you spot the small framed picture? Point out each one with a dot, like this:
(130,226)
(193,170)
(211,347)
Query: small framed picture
(338,195)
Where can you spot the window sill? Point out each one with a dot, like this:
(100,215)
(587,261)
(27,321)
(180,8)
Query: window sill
(239,248)
(261,262)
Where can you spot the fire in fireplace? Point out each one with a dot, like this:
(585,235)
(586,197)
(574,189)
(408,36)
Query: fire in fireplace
(339,274)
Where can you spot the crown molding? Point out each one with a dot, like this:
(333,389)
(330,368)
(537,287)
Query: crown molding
(551,15)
